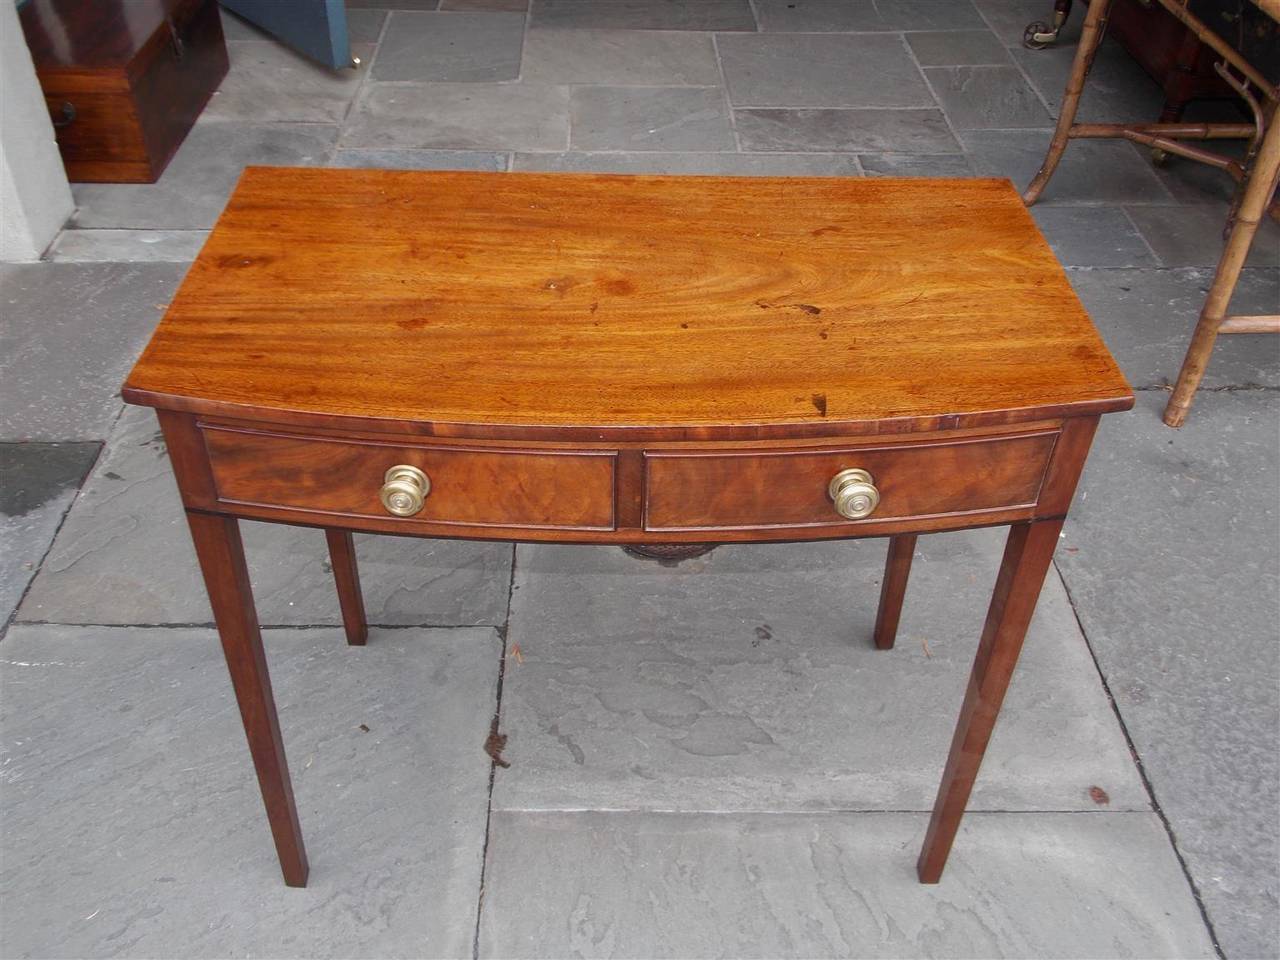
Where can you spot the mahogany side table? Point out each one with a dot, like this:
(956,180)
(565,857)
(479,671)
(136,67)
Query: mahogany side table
(625,360)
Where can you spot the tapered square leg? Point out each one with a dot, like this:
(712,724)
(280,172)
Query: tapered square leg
(897,569)
(221,555)
(342,557)
(1027,555)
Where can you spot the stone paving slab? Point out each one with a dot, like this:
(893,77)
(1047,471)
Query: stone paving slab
(236,29)
(1117,90)
(948,48)
(722,164)
(1091,171)
(650,118)
(1191,236)
(1093,236)
(463,116)
(124,556)
(1195,183)
(616,57)
(929,14)
(850,131)
(455,47)
(127,246)
(819,16)
(1147,316)
(833,885)
(193,189)
(38,481)
(270,82)
(981,97)
(365,26)
(507,5)
(421,160)
(915,165)
(812,70)
(1174,567)
(71,332)
(746,680)
(133,823)
(643,15)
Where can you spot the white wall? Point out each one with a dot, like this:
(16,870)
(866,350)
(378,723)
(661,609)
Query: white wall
(35,199)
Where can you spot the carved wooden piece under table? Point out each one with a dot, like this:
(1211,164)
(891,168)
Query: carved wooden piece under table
(626,360)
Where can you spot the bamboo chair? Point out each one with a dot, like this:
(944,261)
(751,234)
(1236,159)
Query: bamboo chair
(1256,175)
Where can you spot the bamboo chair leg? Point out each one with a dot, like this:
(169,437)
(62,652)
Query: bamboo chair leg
(1257,197)
(1095,22)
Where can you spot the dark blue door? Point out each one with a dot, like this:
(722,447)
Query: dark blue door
(317,28)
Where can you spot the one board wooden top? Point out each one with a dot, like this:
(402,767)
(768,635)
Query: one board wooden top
(518,304)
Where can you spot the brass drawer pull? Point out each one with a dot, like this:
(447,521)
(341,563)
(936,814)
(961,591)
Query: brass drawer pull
(405,490)
(854,493)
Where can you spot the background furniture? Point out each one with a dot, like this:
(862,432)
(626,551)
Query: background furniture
(1256,174)
(626,360)
(124,79)
(1171,53)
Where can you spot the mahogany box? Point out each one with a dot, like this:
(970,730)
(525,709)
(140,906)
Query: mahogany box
(124,79)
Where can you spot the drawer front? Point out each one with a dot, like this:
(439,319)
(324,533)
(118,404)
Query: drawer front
(742,490)
(469,486)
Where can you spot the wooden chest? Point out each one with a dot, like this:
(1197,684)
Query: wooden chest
(124,79)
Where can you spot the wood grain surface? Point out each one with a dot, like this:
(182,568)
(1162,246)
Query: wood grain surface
(124,80)
(628,360)
(501,305)
(469,486)
(746,489)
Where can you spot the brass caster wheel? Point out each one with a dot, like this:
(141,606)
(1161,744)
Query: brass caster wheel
(1038,35)
(1159,158)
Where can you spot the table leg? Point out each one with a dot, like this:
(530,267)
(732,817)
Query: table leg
(897,569)
(1027,556)
(221,555)
(342,557)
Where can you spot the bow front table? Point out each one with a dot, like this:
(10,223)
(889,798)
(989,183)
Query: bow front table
(640,361)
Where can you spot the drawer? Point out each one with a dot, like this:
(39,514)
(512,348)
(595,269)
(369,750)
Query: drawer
(757,489)
(469,486)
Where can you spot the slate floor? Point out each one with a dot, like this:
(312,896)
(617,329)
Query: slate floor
(708,760)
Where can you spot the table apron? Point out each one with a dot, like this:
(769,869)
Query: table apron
(628,494)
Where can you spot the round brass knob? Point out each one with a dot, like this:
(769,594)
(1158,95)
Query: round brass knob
(405,490)
(854,493)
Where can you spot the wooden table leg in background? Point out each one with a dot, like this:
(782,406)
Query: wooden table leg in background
(1027,555)
(221,555)
(342,557)
(897,569)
